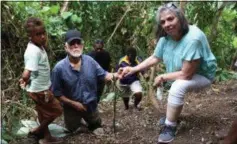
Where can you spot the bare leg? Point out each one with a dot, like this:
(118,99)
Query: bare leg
(173,112)
(138,98)
(126,101)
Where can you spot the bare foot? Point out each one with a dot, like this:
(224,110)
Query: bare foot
(34,130)
(35,134)
(138,108)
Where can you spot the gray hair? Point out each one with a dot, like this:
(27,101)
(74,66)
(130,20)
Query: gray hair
(179,14)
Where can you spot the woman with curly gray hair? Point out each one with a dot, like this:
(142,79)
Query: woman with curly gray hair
(190,64)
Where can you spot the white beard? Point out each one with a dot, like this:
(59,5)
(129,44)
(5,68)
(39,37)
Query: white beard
(75,54)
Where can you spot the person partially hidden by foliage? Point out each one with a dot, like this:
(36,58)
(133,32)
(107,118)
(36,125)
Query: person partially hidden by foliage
(74,83)
(101,56)
(130,85)
(231,138)
(190,64)
(36,80)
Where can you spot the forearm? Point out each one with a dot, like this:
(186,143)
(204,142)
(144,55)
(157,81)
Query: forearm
(111,76)
(176,75)
(186,73)
(147,63)
(26,75)
(66,101)
(74,104)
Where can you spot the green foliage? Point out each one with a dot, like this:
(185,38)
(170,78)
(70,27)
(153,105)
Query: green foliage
(201,13)
(135,27)
(11,114)
(224,75)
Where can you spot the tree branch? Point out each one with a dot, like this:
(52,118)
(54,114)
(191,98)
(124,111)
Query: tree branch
(128,9)
(215,21)
(65,6)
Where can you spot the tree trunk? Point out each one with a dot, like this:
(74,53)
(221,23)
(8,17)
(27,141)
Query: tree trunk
(182,5)
(215,21)
(65,6)
(151,92)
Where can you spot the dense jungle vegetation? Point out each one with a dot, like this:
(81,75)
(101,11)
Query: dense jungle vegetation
(120,24)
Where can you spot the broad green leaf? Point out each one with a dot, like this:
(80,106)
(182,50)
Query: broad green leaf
(61,32)
(123,30)
(74,18)
(21,4)
(223,77)
(235,42)
(23,131)
(109,97)
(54,20)
(29,123)
(30,10)
(57,130)
(54,9)
(53,33)
(54,129)
(79,20)
(45,9)
(3,141)
(234,76)
(66,15)
(229,15)
(6,136)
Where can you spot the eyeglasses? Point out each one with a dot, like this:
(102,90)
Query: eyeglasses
(170,5)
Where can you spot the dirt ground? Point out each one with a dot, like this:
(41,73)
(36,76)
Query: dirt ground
(205,115)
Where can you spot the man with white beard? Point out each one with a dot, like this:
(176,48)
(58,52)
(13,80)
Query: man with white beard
(74,83)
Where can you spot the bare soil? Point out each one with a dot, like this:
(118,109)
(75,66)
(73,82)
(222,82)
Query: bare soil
(205,116)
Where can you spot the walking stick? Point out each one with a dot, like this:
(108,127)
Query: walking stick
(114,119)
(117,94)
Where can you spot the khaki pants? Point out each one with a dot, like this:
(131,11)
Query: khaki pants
(72,119)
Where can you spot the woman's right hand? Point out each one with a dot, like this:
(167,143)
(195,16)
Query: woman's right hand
(125,71)
(158,81)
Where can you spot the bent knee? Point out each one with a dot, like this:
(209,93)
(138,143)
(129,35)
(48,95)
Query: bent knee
(175,100)
(177,92)
(179,86)
(138,94)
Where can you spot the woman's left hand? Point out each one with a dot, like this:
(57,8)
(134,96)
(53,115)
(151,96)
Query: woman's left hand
(158,81)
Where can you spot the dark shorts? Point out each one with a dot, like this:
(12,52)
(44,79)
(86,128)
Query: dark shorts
(47,106)
(72,119)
